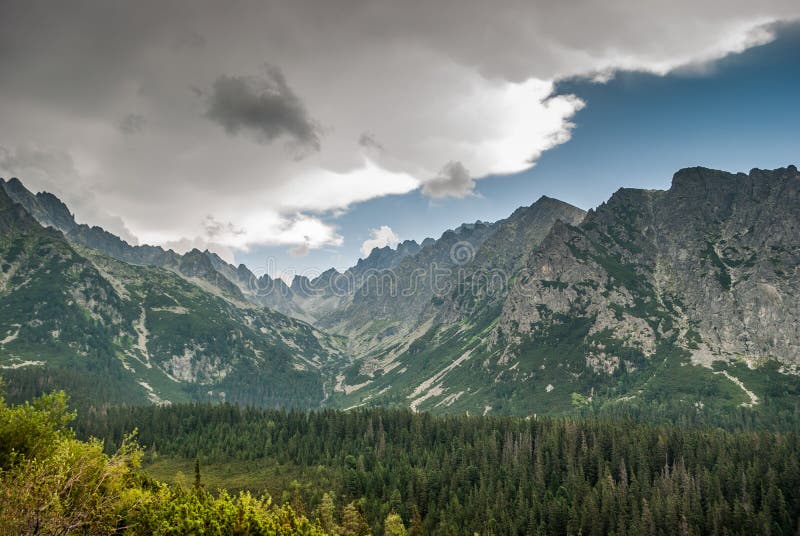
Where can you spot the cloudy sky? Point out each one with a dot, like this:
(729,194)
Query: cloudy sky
(297,135)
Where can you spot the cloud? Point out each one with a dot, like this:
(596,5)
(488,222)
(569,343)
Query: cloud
(452,181)
(265,106)
(380,237)
(302,231)
(215,228)
(300,250)
(368,141)
(132,124)
(189,39)
(475,89)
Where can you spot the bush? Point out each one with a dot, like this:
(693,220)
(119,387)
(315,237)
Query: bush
(52,483)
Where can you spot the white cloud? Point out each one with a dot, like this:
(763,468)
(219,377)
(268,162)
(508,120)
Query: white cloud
(429,83)
(301,250)
(381,237)
(265,228)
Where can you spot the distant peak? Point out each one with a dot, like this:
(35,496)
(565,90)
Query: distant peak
(16,185)
(691,177)
(548,204)
(698,177)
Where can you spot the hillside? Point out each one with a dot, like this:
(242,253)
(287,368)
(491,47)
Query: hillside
(113,332)
(684,298)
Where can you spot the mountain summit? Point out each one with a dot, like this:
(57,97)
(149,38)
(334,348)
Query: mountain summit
(684,296)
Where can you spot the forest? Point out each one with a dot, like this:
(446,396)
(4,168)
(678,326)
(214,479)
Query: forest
(487,475)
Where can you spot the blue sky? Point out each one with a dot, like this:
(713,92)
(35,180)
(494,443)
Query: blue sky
(636,130)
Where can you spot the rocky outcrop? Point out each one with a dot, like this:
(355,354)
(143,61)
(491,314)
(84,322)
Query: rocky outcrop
(712,262)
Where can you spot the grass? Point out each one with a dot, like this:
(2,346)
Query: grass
(258,476)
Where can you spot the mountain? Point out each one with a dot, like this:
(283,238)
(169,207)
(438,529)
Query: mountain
(681,297)
(114,332)
(386,257)
(712,263)
(237,283)
(667,301)
(50,211)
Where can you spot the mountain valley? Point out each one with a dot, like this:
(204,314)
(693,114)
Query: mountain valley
(684,298)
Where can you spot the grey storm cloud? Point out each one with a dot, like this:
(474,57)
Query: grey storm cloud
(132,124)
(452,181)
(368,141)
(215,228)
(189,39)
(265,106)
(466,81)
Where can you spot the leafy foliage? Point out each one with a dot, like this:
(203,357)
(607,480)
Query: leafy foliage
(52,483)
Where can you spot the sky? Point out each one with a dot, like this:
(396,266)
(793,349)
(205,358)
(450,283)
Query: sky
(295,136)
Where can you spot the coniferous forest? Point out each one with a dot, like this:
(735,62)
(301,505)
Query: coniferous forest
(486,475)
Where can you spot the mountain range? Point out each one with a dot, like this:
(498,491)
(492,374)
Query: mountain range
(684,297)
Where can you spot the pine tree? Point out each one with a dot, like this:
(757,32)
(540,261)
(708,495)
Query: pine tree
(353,522)
(393,525)
(415,529)
(325,514)
(198,483)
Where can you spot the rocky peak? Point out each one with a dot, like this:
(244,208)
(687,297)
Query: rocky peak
(45,207)
(385,257)
(5,200)
(13,216)
(300,285)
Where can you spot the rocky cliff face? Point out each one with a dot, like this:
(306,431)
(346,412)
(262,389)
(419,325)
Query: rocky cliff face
(666,297)
(711,263)
(453,282)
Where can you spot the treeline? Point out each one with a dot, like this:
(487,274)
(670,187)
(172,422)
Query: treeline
(464,475)
(779,414)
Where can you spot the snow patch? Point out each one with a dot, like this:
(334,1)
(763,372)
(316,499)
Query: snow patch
(141,338)
(450,399)
(347,389)
(177,309)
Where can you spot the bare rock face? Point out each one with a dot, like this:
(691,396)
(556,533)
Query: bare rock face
(738,253)
(710,265)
